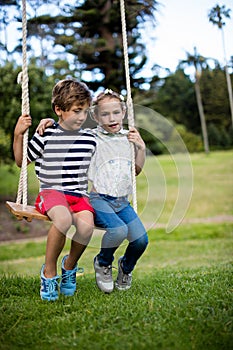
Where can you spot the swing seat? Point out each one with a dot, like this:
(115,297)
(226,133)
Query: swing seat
(28,213)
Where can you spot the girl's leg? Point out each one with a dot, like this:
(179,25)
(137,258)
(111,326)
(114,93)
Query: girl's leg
(137,237)
(116,230)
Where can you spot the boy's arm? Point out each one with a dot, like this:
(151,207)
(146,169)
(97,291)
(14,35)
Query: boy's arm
(140,149)
(23,123)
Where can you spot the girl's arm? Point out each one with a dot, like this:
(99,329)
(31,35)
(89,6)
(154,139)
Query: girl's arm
(23,123)
(140,149)
(44,123)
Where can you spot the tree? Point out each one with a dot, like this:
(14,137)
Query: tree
(88,35)
(91,37)
(175,100)
(216,16)
(215,97)
(40,87)
(198,62)
(6,16)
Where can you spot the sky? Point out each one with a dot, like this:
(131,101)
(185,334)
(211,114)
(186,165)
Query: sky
(183,25)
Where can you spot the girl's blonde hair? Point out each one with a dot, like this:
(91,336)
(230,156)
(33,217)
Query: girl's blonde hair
(107,93)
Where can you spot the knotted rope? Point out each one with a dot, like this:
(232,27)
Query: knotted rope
(23,79)
(129,101)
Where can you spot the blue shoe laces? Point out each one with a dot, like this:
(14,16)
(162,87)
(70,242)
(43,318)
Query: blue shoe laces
(51,285)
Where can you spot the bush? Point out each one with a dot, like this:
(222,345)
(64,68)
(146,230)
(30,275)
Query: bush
(5,147)
(219,137)
(192,142)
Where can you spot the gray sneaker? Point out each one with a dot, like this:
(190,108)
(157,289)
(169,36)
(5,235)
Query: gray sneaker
(103,276)
(124,280)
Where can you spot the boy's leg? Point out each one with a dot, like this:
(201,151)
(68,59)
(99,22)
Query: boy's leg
(61,221)
(84,224)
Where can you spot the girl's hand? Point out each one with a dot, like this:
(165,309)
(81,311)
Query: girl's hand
(23,123)
(135,137)
(44,124)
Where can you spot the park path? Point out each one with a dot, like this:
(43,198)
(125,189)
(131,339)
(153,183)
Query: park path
(213,219)
(148,225)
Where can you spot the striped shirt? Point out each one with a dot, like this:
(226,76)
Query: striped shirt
(62,159)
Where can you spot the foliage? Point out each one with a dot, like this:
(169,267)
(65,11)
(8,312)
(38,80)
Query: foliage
(217,14)
(219,136)
(198,62)
(214,95)
(192,142)
(5,149)
(176,100)
(40,88)
(83,39)
(86,37)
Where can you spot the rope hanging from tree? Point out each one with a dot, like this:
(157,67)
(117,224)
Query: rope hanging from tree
(129,102)
(23,79)
(20,209)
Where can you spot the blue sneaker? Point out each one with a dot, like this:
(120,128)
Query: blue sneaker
(68,279)
(49,287)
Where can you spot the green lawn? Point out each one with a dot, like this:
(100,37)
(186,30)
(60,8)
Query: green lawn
(182,292)
(208,192)
(181,297)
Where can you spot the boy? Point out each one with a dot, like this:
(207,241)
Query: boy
(62,157)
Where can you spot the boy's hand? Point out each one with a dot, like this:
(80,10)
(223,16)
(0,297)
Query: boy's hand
(135,137)
(23,123)
(44,123)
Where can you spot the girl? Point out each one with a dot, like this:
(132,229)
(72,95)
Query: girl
(110,174)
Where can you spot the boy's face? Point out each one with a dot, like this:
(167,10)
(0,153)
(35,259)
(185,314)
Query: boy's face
(74,118)
(110,114)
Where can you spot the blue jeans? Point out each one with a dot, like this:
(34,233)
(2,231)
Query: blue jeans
(121,222)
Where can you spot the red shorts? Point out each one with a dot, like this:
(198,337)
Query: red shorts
(48,199)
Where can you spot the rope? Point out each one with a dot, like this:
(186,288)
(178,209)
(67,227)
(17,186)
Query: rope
(129,101)
(22,188)
(23,79)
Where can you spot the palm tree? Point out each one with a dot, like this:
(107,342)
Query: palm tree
(216,16)
(198,62)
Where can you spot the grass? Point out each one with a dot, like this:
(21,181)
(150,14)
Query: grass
(181,297)
(168,310)
(206,193)
(210,190)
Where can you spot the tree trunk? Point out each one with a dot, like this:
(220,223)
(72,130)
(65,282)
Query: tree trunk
(202,116)
(229,87)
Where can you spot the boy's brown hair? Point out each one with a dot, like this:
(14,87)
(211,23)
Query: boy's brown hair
(67,92)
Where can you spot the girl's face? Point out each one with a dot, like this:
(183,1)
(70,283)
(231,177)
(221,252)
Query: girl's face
(110,114)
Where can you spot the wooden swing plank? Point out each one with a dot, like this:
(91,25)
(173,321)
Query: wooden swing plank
(28,213)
